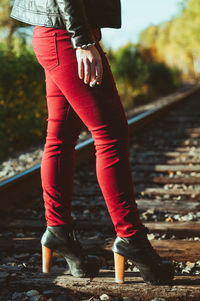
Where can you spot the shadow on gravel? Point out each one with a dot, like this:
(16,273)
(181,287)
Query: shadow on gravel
(152,144)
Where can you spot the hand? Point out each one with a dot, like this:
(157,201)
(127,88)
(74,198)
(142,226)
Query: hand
(89,65)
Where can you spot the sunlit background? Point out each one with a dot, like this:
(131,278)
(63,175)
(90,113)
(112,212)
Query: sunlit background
(136,16)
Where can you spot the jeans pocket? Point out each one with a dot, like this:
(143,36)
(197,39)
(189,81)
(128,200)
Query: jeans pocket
(45,49)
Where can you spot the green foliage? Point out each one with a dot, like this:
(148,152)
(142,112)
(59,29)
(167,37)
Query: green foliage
(5,9)
(22,105)
(148,36)
(8,25)
(139,77)
(177,42)
(162,80)
(129,65)
(129,70)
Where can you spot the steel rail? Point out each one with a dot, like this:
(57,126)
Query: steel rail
(27,185)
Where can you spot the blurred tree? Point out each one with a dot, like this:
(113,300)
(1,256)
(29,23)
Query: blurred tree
(23,110)
(8,25)
(177,42)
(129,65)
(129,69)
(148,36)
(162,80)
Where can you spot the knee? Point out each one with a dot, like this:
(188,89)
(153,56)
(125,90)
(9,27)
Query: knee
(59,136)
(112,137)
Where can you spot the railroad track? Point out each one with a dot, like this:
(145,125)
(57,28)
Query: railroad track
(165,158)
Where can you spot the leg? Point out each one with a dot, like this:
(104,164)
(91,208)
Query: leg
(101,110)
(58,161)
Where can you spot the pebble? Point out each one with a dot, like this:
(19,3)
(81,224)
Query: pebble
(189,267)
(198,263)
(32,293)
(158,299)
(22,265)
(151,236)
(132,267)
(19,234)
(177,217)
(147,215)
(187,217)
(104,297)
(192,268)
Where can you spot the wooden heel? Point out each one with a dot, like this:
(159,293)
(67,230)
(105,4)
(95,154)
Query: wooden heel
(119,268)
(46,259)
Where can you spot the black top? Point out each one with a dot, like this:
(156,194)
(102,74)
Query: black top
(78,17)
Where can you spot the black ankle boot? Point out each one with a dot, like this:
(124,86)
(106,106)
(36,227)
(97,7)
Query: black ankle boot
(63,241)
(153,269)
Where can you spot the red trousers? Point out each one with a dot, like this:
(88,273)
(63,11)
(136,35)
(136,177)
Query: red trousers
(70,104)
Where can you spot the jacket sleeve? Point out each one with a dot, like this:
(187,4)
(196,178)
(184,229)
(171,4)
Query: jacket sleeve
(76,22)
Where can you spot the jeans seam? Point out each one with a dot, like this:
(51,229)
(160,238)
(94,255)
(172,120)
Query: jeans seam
(67,114)
(56,51)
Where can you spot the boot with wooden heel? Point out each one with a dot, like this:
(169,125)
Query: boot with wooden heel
(62,240)
(153,269)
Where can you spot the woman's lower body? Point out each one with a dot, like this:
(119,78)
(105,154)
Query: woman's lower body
(70,104)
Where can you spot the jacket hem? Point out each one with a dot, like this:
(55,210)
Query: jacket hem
(111,23)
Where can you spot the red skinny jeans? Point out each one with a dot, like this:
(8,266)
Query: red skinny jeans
(71,103)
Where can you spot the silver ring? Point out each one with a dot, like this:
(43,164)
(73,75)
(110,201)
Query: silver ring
(93,83)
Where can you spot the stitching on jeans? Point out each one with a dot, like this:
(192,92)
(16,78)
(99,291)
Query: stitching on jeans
(59,157)
(67,114)
(56,51)
(56,44)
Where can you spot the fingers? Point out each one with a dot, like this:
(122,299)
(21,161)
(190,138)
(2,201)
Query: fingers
(90,68)
(87,71)
(99,72)
(90,71)
(80,69)
(96,72)
(92,74)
